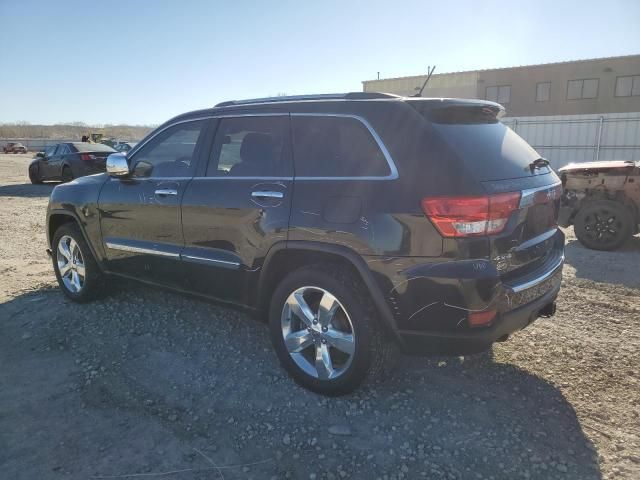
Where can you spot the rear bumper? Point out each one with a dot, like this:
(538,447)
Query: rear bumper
(434,304)
(474,341)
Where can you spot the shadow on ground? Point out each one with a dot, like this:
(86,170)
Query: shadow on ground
(27,190)
(620,266)
(147,381)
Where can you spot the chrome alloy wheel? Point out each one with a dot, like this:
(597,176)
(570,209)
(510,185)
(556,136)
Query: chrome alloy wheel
(318,333)
(70,264)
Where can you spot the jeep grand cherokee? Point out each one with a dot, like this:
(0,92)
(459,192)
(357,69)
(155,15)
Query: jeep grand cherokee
(354,223)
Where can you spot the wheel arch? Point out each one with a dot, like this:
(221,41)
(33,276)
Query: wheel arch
(286,257)
(57,218)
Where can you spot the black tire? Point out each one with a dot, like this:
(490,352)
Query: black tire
(94,280)
(373,354)
(34,175)
(603,225)
(67,174)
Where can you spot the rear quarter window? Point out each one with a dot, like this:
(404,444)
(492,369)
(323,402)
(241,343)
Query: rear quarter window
(334,146)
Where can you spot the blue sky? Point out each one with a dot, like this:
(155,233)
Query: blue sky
(142,62)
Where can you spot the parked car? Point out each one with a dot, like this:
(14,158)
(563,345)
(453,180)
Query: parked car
(67,161)
(602,202)
(14,147)
(124,147)
(356,223)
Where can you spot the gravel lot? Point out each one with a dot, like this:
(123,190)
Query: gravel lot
(150,382)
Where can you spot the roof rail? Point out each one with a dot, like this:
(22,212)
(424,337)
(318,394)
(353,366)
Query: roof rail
(321,96)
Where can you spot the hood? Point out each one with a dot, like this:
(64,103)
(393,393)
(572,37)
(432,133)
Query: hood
(597,166)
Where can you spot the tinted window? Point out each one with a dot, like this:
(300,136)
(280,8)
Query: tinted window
(490,151)
(50,151)
(60,148)
(251,147)
(326,146)
(170,153)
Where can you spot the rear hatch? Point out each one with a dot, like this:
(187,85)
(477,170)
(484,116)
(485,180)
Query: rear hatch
(524,192)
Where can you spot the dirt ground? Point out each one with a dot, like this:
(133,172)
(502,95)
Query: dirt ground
(151,384)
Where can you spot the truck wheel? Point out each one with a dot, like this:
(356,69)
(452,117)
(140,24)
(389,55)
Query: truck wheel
(78,274)
(603,225)
(324,330)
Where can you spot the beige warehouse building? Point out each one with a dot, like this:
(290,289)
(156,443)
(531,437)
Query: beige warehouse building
(596,86)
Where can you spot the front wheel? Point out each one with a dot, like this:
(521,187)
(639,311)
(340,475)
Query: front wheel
(34,176)
(324,330)
(603,225)
(77,271)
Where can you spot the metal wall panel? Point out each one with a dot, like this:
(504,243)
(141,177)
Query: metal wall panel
(565,139)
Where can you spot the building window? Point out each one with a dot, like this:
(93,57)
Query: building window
(500,94)
(578,89)
(543,91)
(628,86)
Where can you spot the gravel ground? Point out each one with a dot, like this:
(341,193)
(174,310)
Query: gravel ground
(150,382)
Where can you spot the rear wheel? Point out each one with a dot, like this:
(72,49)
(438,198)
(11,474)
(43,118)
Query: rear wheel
(324,331)
(67,174)
(77,272)
(603,225)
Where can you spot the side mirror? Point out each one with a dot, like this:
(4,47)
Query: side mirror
(40,155)
(117,165)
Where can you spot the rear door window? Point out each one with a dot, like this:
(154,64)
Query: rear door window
(335,146)
(251,146)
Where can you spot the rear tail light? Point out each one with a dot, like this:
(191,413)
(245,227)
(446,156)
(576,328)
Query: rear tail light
(471,216)
(87,156)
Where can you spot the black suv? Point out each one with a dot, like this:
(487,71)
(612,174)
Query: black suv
(354,222)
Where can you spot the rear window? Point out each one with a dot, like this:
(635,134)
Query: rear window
(92,147)
(332,146)
(491,151)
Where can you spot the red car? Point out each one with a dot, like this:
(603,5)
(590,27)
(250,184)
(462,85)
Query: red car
(14,147)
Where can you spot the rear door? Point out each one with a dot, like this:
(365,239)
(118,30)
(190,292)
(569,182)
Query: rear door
(140,214)
(237,207)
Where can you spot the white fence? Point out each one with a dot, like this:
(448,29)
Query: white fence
(34,144)
(581,138)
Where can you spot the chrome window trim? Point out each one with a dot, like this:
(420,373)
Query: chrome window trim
(149,251)
(393,171)
(527,195)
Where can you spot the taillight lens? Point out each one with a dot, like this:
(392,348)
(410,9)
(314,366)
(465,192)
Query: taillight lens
(87,156)
(471,216)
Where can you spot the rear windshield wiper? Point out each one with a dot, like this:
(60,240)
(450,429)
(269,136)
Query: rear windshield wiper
(538,163)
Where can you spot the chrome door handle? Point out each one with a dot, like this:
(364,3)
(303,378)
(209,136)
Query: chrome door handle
(267,194)
(166,191)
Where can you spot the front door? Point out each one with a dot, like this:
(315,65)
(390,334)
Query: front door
(237,207)
(53,166)
(140,214)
